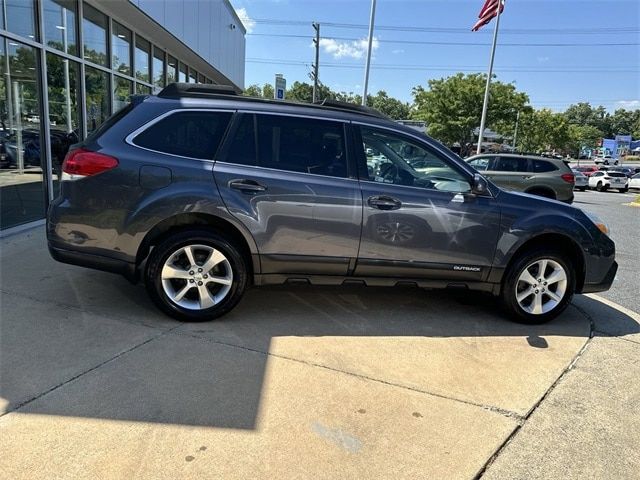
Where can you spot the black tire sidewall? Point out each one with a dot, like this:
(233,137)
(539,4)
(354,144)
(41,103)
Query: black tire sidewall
(509,284)
(167,247)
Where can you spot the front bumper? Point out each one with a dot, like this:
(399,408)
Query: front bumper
(603,285)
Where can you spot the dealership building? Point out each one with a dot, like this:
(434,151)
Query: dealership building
(76,62)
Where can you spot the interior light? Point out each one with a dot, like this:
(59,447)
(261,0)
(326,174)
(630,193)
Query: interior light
(121,36)
(60,27)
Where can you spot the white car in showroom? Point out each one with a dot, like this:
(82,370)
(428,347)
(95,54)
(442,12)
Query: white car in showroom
(603,181)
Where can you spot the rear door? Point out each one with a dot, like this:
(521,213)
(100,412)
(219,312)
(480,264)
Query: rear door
(510,173)
(289,181)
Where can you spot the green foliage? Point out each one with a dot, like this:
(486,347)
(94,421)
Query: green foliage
(452,107)
(541,130)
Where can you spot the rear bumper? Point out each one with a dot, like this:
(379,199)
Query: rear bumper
(96,262)
(604,284)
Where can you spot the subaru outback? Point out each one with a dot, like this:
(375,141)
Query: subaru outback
(203,193)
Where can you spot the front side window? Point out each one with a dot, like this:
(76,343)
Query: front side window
(302,145)
(480,164)
(194,134)
(394,158)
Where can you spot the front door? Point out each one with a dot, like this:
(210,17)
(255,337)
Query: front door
(419,217)
(288,180)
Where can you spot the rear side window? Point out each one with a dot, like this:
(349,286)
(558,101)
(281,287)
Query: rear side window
(191,134)
(480,164)
(290,143)
(510,164)
(541,166)
(616,174)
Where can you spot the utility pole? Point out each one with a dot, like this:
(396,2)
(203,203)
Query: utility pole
(515,134)
(316,66)
(368,65)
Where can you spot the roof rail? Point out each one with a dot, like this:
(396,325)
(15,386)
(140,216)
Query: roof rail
(195,90)
(350,106)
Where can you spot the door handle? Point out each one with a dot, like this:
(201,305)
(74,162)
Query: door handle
(382,202)
(247,186)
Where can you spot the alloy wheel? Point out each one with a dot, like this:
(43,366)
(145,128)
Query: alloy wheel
(541,286)
(196,277)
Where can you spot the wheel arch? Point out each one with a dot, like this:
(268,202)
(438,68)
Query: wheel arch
(556,241)
(542,191)
(183,221)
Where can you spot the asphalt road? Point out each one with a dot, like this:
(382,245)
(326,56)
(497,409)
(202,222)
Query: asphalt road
(624,223)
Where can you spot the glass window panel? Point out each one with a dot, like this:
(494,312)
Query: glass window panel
(121,49)
(22,193)
(121,92)
(393,158)
(143,89)
(172,69)
(193,76)
(97,95)
(302,145)
(21,17)
(182,76)
(142,59)
(63,85)
(60,25)
(188,134)
(94,31)
(201,78)
(158,67)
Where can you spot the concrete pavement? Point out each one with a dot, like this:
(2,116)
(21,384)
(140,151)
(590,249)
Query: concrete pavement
(304,382)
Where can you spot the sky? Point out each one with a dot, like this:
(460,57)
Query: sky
(559,52)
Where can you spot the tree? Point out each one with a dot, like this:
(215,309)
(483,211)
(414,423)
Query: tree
(389,106)
(452,107)
(253,91)
(625,122)
(583,137)
(584,114)
(541,130)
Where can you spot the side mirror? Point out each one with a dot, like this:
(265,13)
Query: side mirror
(479,186)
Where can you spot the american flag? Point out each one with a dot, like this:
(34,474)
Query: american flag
(489,10)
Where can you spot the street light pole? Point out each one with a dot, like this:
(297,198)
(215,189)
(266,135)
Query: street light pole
(316,66)
(515,134)
(368,64)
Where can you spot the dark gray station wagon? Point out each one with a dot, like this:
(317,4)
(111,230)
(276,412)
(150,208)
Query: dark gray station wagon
(204,193)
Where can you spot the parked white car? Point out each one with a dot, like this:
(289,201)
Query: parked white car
(606,160)
(602,181)
(634,182)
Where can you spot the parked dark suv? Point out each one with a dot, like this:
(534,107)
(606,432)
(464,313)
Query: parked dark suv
(204,193)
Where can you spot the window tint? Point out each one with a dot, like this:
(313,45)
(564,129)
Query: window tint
(540,166)
(242,147)
(188,134)
(392,158)
(301,145)
(510,164)
(616,174)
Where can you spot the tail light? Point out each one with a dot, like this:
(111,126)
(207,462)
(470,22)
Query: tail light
(568,177)
(80,163)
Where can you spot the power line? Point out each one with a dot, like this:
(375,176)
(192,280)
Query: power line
(447,68)
(466,44)
(408,28)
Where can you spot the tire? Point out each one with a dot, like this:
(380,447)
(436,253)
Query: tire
(600,187)
(623,190)
(168,272)
(537,307)
(582,189)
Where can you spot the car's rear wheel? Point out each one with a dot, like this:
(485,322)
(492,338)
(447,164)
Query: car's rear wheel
(624,190)
(538,286)
(196,275)
(542,193)
(601,187)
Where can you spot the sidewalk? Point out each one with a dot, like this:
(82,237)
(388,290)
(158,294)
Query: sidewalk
(303,382)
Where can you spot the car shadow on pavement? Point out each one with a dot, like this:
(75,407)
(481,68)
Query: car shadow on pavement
(71,362)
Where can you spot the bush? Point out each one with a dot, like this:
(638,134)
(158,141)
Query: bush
(632,158)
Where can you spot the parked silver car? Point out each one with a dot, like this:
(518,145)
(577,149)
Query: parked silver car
(581,180)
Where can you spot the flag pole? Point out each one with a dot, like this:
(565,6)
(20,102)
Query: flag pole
(368,64)
(485,105)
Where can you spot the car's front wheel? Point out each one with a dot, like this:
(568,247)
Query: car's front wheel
(624,190)
(196,275)
(538,286)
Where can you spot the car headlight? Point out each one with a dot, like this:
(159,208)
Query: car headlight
(597,221)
